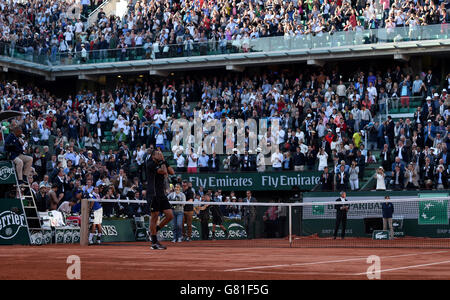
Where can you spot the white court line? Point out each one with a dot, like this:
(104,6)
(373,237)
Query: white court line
(408,267)
(300,273)
(328,261)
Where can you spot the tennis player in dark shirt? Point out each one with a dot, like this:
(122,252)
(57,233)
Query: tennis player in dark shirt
(157,170)
(217,220)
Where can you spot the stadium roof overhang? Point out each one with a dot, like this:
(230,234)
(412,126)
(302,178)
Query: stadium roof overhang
(237,62)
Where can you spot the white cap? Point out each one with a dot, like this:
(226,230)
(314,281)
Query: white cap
(428,98)
(436,95)
(309,115)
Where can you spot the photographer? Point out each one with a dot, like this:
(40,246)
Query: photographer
(178,213)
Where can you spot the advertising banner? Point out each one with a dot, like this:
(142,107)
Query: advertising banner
(433,212)
(267,181)
(7,173)
(235,228)
(118,230)
(417,218)
(13,223)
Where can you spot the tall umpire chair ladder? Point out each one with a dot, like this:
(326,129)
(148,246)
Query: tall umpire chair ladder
(34,222)
(23,191)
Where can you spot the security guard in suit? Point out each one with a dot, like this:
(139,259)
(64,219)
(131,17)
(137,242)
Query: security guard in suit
(341,215)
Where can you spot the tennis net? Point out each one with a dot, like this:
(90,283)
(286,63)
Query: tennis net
(421,222)
(399,222)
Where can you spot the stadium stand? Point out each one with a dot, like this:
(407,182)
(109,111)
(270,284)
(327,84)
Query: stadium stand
(364,129)
(154,29)
(95,135)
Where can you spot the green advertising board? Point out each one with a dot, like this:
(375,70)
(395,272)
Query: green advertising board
(318,210)
(117,230)
(380,235)
(267,181)
(7,173)
(428,218)
(433,212)
(123,230)
(13,223)
(235,228)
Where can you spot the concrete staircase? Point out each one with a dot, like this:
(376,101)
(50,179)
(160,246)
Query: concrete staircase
(74,11)
(111,7)
(402,113)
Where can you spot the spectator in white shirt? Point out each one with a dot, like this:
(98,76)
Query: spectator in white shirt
(180,160)
(93,118)
(159,118)
(372,92)
(160,139)
(323,159)
(45,135)
(192,162)
(277,159)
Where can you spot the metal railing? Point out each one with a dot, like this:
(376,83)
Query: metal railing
(151,51)
(393,104)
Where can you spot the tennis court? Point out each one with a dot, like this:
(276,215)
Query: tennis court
(225,261)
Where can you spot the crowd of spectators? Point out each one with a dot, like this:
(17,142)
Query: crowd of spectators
(44,29)
(324,125)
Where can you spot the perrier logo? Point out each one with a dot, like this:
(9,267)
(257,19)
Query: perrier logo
(5,172)
(10,224)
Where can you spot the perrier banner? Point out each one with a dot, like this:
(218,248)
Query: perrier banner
(7,173)
(265,181)
(433,212)
(13,223)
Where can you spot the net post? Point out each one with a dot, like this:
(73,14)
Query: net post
(84,222)
(290,225)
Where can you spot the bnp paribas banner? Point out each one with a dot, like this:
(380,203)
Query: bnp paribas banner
(13,223)
(357,210)
(424,218)
(426,212)
(254,181)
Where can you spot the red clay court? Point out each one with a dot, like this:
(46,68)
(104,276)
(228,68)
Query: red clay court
(225,261)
